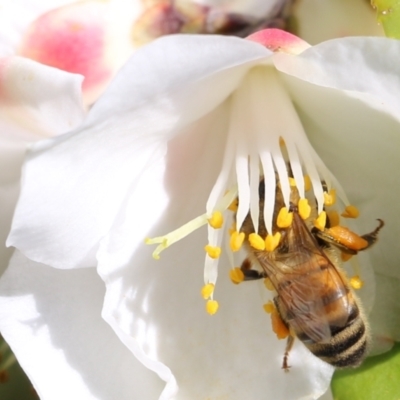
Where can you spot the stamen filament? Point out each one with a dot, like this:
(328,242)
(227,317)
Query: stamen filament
(183,231)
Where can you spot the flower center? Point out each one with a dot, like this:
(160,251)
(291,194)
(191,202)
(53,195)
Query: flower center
(266,141)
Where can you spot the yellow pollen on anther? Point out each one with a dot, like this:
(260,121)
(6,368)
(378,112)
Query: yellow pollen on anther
(304,208)
(269,307)
(268,284)
(236,275)
(207,290)
(256,241)
(350,212)
(272,241)
(233,206)
(212,306)
(236,240)
(307,183)
(320,222)
(285,218)
(356,282)
(334,218)
(292,182)
(213,252)
(216,220)
(330,197)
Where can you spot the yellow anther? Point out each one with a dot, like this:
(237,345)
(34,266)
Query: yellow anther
(207,290)
(292,182)
(320,222)
(269,307)
(212,306)
(330,197)
(356,282)
(236,275)
(307,183)
(216,220)
(282,142)
(268,284)
(345,256)
(285,218)
(334,218)
(213,252)
(234,205)
(272,241)
(236,240)
(350,212)
(304,208)
(256,241)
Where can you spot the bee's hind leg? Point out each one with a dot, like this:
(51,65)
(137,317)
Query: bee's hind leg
(251,274)
(289,345)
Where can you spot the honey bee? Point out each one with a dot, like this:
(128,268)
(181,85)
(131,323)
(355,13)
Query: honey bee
(314,300)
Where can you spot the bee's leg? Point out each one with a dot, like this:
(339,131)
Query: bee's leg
(289,345)
(372,237)
(347,241)
(250,274)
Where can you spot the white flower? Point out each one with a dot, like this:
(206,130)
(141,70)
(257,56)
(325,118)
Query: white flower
(143,163)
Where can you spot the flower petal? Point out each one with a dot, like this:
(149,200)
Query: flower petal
(35,102)
(40,100)
(51,319)
(125,130)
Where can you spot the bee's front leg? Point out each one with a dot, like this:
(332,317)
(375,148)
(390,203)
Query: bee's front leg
(251,274)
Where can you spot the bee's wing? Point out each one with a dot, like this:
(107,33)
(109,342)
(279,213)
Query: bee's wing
(306,281)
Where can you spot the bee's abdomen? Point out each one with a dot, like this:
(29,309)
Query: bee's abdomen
(348,345)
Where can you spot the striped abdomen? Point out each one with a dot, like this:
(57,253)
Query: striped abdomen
(325,316)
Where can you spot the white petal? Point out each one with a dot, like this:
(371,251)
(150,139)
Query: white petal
(149,102)
(384,319)
(35,102)
(41,101)
(51,319)
(363,66)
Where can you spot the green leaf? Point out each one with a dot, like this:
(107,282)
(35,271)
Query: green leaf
(377,378)
(388,15)
(14,384)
